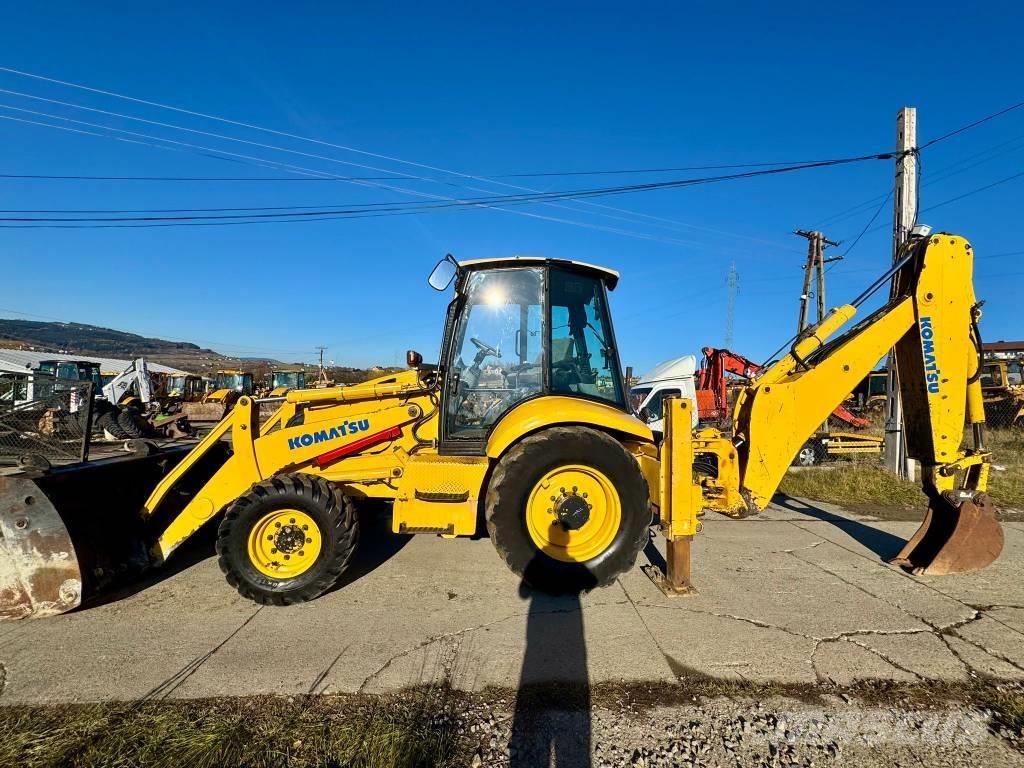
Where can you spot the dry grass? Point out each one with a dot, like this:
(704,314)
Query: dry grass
(851,483)
(865,482)
(1006,486)
(413,731)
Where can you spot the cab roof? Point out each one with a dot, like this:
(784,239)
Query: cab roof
(610,276)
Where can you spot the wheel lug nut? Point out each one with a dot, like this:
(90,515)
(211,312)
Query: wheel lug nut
(309,541)
(552,498)
(574,489)
(277,525)
(287,557)
(305,527)
(270,537)
(292,521)
(584,494)
(273,551)
(301,553)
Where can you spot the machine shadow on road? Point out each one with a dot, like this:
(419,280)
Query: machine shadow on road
(377,545)
(551,724)
(884,544)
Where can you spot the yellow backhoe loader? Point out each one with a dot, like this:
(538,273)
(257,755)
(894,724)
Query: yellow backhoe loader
(228,387)
(523,428)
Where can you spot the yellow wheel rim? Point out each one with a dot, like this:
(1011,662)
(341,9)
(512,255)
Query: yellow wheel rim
(573,513)
(284,544)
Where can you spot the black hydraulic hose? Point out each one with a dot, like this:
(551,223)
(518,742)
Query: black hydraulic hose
(978,346)
(873,288)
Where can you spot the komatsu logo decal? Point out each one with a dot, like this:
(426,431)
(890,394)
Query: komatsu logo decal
(326,435)
(931,366)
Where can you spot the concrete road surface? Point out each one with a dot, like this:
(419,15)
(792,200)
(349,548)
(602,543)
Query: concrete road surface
(797,595)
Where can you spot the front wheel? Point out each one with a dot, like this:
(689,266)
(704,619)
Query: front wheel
(568,509)
(287,540)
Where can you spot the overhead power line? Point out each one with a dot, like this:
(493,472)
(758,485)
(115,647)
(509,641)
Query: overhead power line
(502,200)
(664,222)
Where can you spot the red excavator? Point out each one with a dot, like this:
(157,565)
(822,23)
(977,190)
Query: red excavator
(712,392)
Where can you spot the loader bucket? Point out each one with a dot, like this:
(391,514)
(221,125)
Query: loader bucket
(954,538)
(203,412)
(69,533)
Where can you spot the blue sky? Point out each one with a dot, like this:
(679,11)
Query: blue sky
(495,89)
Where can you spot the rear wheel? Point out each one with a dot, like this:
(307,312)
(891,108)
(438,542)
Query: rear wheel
(287,540)
(107,422)
(129,423)
(568,509)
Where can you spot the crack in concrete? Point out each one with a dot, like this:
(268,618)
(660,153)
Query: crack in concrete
(459,633)
(3,677)
(179,678)
(665,657)
(327,670)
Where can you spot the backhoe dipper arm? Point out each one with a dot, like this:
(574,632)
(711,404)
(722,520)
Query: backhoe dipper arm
(929,321)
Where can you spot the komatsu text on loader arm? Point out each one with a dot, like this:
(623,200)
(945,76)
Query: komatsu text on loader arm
(522,428)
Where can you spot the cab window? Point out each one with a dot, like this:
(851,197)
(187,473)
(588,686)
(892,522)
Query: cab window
(1013,374)
(990,376)
(583,358)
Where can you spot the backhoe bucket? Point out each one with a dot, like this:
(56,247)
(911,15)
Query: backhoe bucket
(71,532)
(954,538)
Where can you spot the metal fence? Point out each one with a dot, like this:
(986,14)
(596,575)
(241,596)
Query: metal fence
(43,416)
(1005,409)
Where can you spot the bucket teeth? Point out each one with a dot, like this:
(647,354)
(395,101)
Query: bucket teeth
(954,538)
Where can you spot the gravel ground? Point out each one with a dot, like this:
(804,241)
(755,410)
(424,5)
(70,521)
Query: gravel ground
(836,729)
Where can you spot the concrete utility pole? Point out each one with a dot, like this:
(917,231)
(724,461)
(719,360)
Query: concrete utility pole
(816,261)
(903,218)
(733,285)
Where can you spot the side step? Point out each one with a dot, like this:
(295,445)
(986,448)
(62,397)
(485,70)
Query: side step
(449,531)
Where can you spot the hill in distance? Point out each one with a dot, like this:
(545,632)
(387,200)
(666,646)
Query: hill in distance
(85,340)
(79,338)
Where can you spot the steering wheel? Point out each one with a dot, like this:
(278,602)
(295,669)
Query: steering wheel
(484,347)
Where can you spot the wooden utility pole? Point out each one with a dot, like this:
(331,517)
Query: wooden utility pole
(903,218)
(814,269)
(322,376)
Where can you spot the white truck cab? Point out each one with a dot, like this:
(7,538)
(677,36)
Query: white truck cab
(672,378)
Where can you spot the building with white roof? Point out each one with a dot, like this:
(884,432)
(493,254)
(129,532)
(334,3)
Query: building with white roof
(26,361)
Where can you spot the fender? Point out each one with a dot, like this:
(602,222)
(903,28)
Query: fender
(554,410)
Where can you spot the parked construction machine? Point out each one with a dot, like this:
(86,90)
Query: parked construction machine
(1002,389)
(283,380)
(522,428)
(228,387)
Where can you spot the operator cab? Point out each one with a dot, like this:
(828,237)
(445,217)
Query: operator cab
(520,328)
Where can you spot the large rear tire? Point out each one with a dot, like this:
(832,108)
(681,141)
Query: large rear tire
(568,509)
(129,424)
(106,422)
(287,540)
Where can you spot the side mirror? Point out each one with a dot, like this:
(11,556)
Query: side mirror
(413,358)
(645,416)
(443,274)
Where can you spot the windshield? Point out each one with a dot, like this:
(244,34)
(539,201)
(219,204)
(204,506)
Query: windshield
(240,382)
(290,379)
(497,357)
